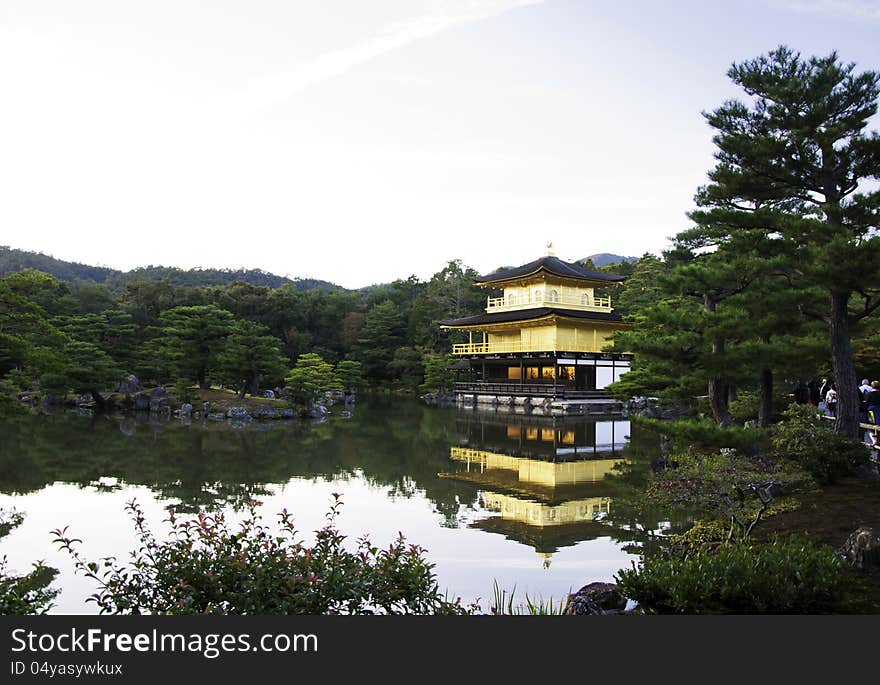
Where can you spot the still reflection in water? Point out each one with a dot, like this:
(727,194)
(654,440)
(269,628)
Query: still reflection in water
(483,492)
(545,476)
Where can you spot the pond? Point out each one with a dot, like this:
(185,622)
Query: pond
(536,503)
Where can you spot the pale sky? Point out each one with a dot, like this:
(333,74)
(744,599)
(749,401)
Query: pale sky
(359,142)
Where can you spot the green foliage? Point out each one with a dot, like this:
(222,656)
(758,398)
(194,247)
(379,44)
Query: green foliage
(705,434)
(381,336)
(9,404)
(310,378)
(503,604)
(210,567)
(88,368)
(809,441)
(12,260)
(793,161)
(407,367)
(191,339)
(163,324)
(24,594)
(29,343)
(703,477)
(112,331)
(437,373)
(349,374)
(703,535)
(185,392)
(450,293)
(249,354)
(791,576)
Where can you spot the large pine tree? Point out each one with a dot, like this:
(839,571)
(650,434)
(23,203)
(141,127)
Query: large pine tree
(793,162)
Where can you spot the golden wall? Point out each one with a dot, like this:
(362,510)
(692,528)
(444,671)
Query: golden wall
(562,337)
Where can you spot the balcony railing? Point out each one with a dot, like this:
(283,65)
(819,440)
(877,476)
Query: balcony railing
(512,303)
(505,348)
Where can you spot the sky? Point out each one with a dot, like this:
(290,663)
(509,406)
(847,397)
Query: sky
(361,142)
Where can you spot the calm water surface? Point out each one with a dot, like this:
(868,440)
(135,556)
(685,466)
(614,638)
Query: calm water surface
(540,504)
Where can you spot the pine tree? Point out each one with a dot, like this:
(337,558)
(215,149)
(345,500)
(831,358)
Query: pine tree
(311,377)
(792,162)
(381,336)
(249,354)
(192,337)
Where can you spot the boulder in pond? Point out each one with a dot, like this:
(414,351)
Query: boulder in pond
(318,411)
(239,414)
(596,599)
(185,410)
(264,412)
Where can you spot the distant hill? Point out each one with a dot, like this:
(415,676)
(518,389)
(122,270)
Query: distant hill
(605,258)
(12,260)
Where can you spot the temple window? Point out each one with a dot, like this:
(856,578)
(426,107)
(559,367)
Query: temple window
(566,373)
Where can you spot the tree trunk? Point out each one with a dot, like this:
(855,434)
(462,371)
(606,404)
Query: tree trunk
(765,408)
(255,384)
(847,420)
(718,402)
(717,387)
(203,384)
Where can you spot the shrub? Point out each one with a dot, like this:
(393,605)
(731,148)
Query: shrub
(745,407)
(185,392)
(809,441)
(704,433)
(9,403)
(783,576)
(207,567)
(703,535)
(702,476)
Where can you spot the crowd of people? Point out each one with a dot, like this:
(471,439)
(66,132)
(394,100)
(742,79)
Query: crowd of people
(824,396)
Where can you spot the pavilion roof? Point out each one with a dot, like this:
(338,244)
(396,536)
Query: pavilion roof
(552,265)
(528,315)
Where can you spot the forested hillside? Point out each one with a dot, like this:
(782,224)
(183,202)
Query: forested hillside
(12,260)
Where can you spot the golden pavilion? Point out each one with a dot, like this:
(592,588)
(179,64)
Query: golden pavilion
(544,337)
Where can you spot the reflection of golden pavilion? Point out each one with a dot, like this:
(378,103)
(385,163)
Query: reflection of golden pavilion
(545,476)
(540,514)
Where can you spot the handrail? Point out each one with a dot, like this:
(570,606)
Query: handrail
(505,348)
(584,303)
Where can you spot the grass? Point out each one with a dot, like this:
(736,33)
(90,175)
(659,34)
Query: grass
(503,604)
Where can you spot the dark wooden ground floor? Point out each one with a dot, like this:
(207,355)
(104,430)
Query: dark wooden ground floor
(550,374)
